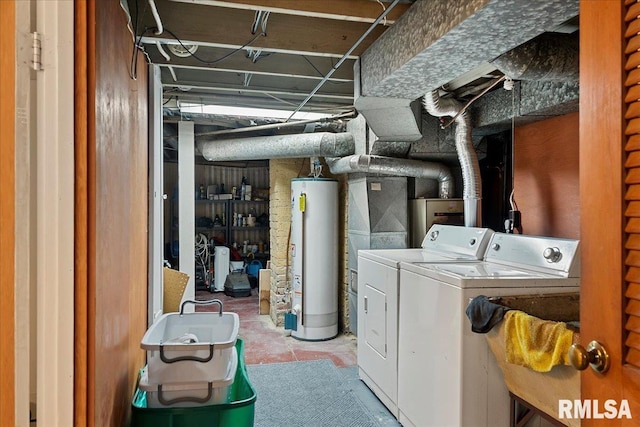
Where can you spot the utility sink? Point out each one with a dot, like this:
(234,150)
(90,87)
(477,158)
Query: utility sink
(540,390)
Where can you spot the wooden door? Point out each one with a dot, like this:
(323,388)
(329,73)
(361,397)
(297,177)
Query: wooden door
(610,252)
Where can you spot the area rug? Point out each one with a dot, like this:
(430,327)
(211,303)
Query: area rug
(310,394)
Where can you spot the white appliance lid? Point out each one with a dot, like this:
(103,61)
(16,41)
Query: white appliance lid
(393,257)
(486,275)
(488,270)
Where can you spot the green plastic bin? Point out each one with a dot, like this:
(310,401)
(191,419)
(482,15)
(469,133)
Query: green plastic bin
(239,412)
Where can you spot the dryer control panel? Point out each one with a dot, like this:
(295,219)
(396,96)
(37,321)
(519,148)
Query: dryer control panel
(543,254)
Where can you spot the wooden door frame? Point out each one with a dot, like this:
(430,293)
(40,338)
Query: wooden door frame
(83,390)
(7,212)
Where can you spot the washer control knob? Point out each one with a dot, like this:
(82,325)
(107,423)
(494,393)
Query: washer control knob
(472,241)
(495,246)
(552,254)
(434,235)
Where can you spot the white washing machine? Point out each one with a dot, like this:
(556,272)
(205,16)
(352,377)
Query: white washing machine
(447,375)
(378,290)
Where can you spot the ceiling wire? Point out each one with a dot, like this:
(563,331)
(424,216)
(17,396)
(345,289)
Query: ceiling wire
(472,100)
(320,72)
(133,68)
(256,37)
(344,57)
(512,201)
(156,17)
(346,115)
(383,9)
(316,109)
(256,21)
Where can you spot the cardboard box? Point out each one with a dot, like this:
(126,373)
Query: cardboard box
(264,288)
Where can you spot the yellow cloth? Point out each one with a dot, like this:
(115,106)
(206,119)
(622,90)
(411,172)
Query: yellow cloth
(535,343)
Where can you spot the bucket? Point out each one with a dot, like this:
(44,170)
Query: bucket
(253,268)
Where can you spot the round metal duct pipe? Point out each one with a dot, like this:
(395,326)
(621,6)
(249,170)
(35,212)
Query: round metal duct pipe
(395,167)
(472,190)
(322,144)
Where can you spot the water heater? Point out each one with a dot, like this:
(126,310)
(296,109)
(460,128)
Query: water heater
(314,258)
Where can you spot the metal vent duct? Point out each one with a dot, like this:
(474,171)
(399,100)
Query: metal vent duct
(472,192)
(435,42)
(395,167)
(322,144)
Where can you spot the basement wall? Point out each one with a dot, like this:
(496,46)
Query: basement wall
(282,171)
(546,177)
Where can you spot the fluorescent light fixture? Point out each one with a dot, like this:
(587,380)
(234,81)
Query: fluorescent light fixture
(186,107)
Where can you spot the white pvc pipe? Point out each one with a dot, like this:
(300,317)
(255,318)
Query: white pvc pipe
(173,74)
(162,51)
(154,12)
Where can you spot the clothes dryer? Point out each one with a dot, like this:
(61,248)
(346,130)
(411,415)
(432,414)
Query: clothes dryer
(378,291)
(447,375)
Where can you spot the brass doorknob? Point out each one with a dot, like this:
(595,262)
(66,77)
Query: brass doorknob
(594,355)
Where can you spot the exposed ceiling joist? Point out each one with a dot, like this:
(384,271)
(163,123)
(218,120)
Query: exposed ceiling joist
(254,100)
(259,73)
(262,82)
(167,39)
(279,63)
(200,24)
(346,10)
(242,90)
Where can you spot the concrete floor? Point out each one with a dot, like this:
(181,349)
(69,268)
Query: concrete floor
(266,343)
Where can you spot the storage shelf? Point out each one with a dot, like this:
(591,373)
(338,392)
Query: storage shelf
(261,227)
(216,228)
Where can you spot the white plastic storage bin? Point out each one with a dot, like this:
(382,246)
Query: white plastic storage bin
(193,347)
(189,394)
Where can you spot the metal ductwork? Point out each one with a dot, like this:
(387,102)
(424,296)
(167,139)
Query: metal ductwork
(472,191)
(395,167)
(548,57)
(435,42)
(322,144)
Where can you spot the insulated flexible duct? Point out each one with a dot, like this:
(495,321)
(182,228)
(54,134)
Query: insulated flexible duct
(548,57)
(472,190)
(321,144)
(395,167)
